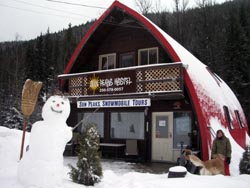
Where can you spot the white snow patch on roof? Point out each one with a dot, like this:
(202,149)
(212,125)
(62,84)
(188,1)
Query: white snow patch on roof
(205,84)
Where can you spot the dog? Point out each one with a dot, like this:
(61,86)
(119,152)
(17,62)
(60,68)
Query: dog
(214,166)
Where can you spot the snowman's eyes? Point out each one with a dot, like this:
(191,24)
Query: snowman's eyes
(53,101)
(62,102)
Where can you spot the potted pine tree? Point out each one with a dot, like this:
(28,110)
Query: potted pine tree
(88,169)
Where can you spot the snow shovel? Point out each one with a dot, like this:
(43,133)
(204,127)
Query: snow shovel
(30,93)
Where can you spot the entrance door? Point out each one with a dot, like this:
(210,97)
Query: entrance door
(162,136)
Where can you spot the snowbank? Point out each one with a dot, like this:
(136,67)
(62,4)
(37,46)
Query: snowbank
(114,175)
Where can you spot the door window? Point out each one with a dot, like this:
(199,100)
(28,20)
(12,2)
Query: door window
(161,127)
(182,129)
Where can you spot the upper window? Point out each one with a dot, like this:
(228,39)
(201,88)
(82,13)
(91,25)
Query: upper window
(127,59)
(228,117)
(239,118)
(148,56)
(107,61)
(215,76)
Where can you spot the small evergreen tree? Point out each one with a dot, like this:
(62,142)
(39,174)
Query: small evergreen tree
(89,170)
(245,162)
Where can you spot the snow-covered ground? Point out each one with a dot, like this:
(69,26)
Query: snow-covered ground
(116,174)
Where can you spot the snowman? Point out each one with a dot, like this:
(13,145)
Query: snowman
(42,165)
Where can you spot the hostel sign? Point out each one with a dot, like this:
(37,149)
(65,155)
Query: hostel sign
(157,79)
(114,103)
(111,83)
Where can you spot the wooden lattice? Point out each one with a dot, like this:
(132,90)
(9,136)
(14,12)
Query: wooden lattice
(76,86)
(139,76)
(139,88)
(162,86)
(76,91)
(162,73)
(162,78)
(85,89)
(76,82)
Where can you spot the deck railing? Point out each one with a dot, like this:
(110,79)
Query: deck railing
(151,79)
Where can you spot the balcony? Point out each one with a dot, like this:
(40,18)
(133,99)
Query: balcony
(161,80)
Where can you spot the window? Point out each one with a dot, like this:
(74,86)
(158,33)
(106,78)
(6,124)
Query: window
(182,129)
(162,127)
(127,125)
(95,118)
(107,61)
(239,118)
(127,60)
(148,56)
(215,76)
(228,118)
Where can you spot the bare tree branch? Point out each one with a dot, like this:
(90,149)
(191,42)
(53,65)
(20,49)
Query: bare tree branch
(144,6)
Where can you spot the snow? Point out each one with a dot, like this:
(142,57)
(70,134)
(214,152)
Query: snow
(115,174)
(177,169)
(213,94)
(205,84)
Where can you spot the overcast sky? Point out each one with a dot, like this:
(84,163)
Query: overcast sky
(27,19)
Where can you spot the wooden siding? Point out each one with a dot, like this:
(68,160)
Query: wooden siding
(121,40)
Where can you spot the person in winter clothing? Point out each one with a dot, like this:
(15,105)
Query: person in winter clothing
(222,145)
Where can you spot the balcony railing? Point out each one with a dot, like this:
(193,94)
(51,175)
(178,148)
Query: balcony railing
(154,79)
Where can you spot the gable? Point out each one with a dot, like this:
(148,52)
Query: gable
(116,17)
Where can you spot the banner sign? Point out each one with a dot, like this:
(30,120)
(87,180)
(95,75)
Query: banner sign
(114,103)
(143,80)
(115,83)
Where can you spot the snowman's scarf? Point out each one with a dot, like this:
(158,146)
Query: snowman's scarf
(83,120)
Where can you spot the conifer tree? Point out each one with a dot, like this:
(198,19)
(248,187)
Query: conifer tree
(245,162)
(89,170)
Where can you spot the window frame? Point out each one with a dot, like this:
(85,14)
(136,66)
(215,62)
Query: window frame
(126,136)
(81,117)
(126,54)
(178,133)
(148,49)
(215,76)
(228,117)
(100,66)
(239,119)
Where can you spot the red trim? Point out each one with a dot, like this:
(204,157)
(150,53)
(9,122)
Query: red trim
(204,132)
(85,39)
(152,29)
